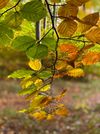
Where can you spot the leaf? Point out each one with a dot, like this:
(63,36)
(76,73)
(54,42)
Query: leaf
(13,19)
(38,83)
(67,10)
(70,49)
(91,58)
(21,73)
(78,2)
(26,82)
(3,3)
(88,47)
(55,1)
(50,117)
(6,34)
(61,65)
(37,52)
(77,72)
(67,28)
(46,88)
(33,11)
(45,74)
(89,21)
(93,35)
(62,111)
(39,115)
(50,42)
(28,90)
(35,64)
(22,43)
(47,100)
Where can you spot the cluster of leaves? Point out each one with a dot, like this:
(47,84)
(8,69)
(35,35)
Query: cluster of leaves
(50,57)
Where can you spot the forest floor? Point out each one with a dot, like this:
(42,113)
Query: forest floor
(82,99)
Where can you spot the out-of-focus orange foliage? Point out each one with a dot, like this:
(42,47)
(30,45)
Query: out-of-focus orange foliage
(91,58)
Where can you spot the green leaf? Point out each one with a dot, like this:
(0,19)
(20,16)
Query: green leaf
(6,34)
(45,74)
(33,11)
(13,19)
(37,52)
(28,90)
(21,73)
(49,42)
(42,51)
(22,43)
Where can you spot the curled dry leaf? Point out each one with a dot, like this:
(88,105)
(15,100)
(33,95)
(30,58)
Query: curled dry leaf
(67,28)
(93,35)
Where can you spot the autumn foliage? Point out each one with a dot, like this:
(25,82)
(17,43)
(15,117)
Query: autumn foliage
(61,54)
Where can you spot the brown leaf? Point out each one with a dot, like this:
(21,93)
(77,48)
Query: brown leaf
(93,35)
(67,11)
(67,28)
(89,21)
(78,2)
(3,3)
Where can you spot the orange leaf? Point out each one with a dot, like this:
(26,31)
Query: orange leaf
(62,111)
(91,58)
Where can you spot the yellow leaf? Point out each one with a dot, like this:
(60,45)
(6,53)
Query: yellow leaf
(3,3)
(78,2)
(91,58)
(67,11)
(77,72)
(35,64)
(46,88)
(39,115)
(26,82)
(38,82)
(67,28)
(89,21)
(93,35)
(50,117)
(60,65)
